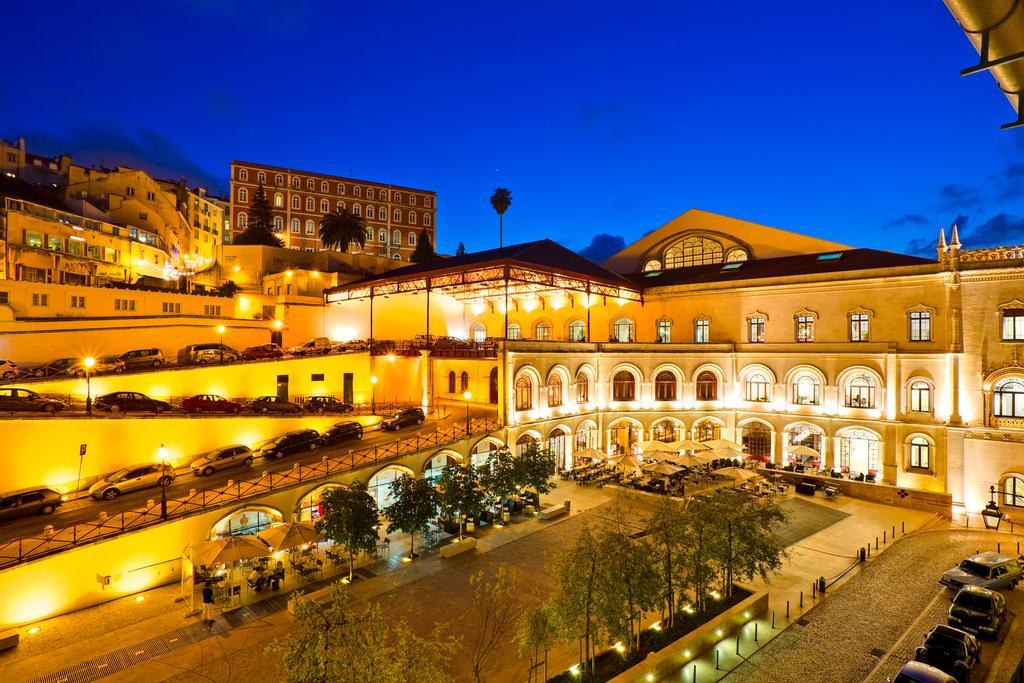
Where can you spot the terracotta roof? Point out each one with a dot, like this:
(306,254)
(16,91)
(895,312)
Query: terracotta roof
(801,264)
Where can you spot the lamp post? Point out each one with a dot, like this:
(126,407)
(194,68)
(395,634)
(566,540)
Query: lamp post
(467,395)
(276,334)
(991,515)
(88,363)
(221,330)
(162,454)
(373,394)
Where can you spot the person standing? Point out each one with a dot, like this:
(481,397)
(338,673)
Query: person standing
(208,603)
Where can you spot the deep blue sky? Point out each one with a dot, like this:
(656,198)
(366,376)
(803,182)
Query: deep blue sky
(845,120)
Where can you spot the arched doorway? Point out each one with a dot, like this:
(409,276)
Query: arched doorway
(665,430)
(807,436)
(756,438)
(481,452)
(379,486)
(558,444)
(523,442)
(707,430)
(624,436)
(858,452)
(311,506)
(245,521)
(434,466)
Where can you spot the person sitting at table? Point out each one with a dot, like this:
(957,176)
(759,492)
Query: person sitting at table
(256,579)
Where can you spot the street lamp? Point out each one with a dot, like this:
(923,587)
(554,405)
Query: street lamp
(221,330)
(373,394)
(467,395)
(88,363)
(991,514)
(162,454)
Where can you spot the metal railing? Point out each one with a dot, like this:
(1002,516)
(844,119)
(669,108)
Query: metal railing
(53,541)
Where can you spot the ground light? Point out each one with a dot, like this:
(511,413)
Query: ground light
(34,630)
(140,598)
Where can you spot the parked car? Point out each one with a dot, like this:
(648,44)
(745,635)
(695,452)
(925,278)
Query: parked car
(314,347)
(274,404)
(104,365)
(222,458)
(8,370)
(263,351)
(127,401)
(39,500)
(61,366)
(409,416)
(978,610)
(25,400)
(133,478)
(951,650)
(327,404)
(142,358)
(919,672)
(210,403)
(341,431)
(988,570)
(354,345)
(202,354)
(290,442)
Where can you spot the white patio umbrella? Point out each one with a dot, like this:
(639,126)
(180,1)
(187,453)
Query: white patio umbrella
(658,447)
(591,454)
(625,461)
(290,535)
(804,451)
(662,468)
(727,453)
(689,460)
(735,473)
(718,444)
(228,550)
(690,445)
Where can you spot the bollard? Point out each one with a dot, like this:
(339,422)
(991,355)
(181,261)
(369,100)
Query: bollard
(801,599)
(1018,547)
(884,539)
(876,542)
(968,524)
(861,556)
(869,550)
(894,532)
(773,620)
(755,631)
(999,548)
(737,644)
(716,659)
(814,591)
(694,673)
(903,527)
(787,609)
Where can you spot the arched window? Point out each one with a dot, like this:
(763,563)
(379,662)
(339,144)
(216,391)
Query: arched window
(464,381)
(542,331)
(664,431)
(243,195)
(279,180)
(379,486)
(451,382)
(860,392)
(369,211)
(310,227)
(524,393)
(382,235)
(310,184)
(707,430)
(652,264)
(920,452)
(756,387)
(310,204)
(523,442)
(296,201)
(295,183)
(357,210)
(804,435)
(577,331)
(756,438)
(369,193)
(293,225)
(582,388)
(243,174)
(245,522)
(341,188)
(397,216)
(623,386)
(858,451)
(586,437)
(278,199)
(554,391)
(694,251)
(478,332)
(436,465)
(325,206)
(622,330)
(396,197)
(1013,491)
(736,255)
(242,220)
(665,386)
(513,331)
(278,223)
(806,390)
(261,177)
(412,218)
(324,187)
(1008,398)
(426,219)
(920,396)
(396,238)
(707,386)
(339,206)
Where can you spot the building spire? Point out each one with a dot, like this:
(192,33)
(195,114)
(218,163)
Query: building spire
(954,239)
(942,239)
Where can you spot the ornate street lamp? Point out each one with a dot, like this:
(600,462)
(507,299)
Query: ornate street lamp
(221,330)
(88,363)
(373,394)
(991,514)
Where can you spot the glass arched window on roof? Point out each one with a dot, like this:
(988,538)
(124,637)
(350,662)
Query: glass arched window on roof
(736,255)
(693,251)
(652,264)
(1008,398)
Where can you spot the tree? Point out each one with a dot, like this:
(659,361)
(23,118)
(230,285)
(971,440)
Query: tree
(493,613)
(260,228)
(415,504)
(500,477)
(424,251)
(700,528)
(574,603)
(501,199)
(628,584)
(342,228)
(667,525)
(229,288)
(461,249)
(350,519)
(745,545)
(536,468)
(536,636)
(459,493)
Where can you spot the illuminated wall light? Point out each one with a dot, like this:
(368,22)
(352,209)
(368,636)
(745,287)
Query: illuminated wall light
(557,304)
(288,273)
(243,303)
(316,274)
(477,308)
(529,305)
(237,269)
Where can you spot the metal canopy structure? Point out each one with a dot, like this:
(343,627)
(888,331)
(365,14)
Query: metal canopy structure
(524,270)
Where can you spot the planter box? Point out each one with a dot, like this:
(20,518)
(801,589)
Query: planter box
(9,639)
(453,549)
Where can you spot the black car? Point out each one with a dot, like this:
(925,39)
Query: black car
(327,404)
(978,610)
(24,502)
(341,431)
(954,651)
(25,400)
(403,418)
(274,404)
(127,401)
(290,442)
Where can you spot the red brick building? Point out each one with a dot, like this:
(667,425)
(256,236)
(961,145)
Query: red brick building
(395,217)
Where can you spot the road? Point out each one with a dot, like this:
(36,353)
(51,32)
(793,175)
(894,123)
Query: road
(85,509)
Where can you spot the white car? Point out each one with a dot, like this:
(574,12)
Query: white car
(8,370)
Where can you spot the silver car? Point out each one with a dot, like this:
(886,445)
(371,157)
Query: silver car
(222,458)
(987,570)
(133,478)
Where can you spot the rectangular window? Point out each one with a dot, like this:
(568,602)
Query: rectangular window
(859,327)
(316,377)
(702,331)
(77,302)
(170,307)
(664,331)
(34,238)
(805,328)
(920,454)
(40,299)
(150,196)
(755,330)
(54,243)
(209,310)
(5,298)
(94,251)
(1013,324)
(129,191)
(920,326)
(29,274)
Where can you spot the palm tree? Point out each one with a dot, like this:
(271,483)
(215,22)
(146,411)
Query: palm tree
(341,228)
(501,200)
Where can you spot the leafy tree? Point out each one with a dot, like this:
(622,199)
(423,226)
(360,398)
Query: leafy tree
(415,504)
(493,614)
(536,468)
(501,199)
(229,288)
(459,493)
(350,519)
(627,581)
(700,528)
(536,636)
(424,251)
(668,531)
(744,545)
(501,476)
(461,249)
(260,228)
(576,595)
(342,228)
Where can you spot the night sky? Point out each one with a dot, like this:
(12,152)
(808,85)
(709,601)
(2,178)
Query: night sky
(844,120)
